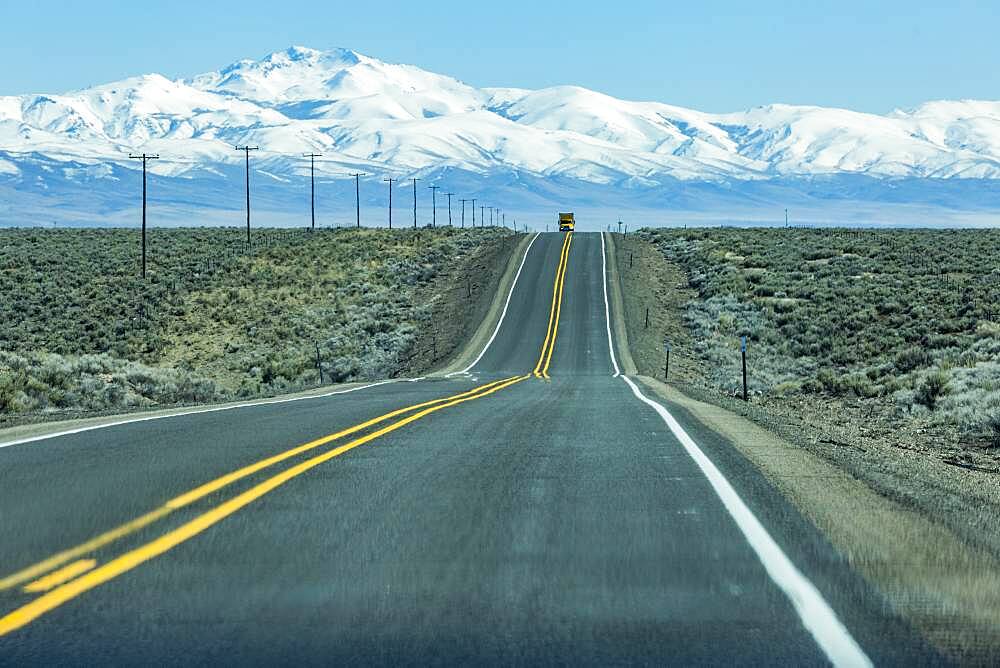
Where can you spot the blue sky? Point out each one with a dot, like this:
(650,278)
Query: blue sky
(710,55)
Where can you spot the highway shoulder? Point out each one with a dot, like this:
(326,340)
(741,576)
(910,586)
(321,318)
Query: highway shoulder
(926,581)
(31,432)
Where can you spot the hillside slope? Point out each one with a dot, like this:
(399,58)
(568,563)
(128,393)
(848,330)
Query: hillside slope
(212,321)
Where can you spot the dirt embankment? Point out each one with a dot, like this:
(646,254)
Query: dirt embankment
(459,302)
(923,532)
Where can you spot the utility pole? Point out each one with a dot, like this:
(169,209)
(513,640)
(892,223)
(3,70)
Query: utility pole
(619,227)
(450,195)
(144,157)
(504,220)
(357,195)
(482,215)
(389,181)
(473,212)
(312,185)
(246,150)
(786,217)
(415,203)
(434,204)
(491,215)
(463,201)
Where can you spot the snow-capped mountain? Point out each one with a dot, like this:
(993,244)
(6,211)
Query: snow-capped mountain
(365,114)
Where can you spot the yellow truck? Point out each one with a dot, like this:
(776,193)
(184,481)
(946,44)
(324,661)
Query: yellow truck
(566,222)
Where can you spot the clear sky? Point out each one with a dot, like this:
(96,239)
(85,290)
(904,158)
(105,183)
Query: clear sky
(709,55)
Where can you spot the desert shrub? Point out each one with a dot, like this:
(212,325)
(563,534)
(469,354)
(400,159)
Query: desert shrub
(931,388)
(250,322)
(987,426)
(911,358)
(905,314)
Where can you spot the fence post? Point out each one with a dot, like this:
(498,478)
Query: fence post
(743,352)
(319,365)
(647,318)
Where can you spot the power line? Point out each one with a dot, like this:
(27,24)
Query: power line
(144,157)
(312,185)
(246,150)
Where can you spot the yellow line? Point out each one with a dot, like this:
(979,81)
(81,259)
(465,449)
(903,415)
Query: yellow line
(61,558)
(555,327)
(198,493)
(62,575)
(126,562)
(552,310)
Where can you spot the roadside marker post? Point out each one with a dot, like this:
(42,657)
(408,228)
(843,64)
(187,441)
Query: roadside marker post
(743,353)
(647,319)
(666,367)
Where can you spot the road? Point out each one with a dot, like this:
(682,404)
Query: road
(536,520)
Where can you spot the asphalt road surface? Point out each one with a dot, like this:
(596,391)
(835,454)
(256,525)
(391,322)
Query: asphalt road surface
(535,520)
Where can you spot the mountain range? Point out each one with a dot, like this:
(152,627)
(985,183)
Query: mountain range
(65,157)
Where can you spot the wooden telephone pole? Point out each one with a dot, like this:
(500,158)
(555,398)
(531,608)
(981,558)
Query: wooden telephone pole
(246,150)
(449,196)
(312,185)
(389,181)
(415,203)
(357,195)
(144,157)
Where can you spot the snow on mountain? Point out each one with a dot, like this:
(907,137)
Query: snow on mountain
(362,113)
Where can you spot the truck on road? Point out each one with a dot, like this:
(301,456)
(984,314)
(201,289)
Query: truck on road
(566,222)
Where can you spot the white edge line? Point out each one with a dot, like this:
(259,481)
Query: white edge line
(818,618)
(607,309)
(502,314)
(218,409)
(816,614)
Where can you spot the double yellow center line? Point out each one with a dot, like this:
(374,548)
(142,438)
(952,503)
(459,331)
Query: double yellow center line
(62,591)
(545,358)
(72,572)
